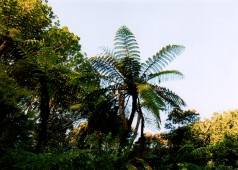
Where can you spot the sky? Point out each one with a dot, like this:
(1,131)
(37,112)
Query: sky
(207,28)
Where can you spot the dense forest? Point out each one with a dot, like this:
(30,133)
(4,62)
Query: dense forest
(60,109)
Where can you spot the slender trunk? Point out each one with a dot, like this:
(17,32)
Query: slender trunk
(141,130)
(142,134)
(137,123)
(121,103)
(44,115)
(122,110)
(136,131)
(133,111)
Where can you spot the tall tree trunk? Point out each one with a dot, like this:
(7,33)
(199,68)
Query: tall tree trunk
(44,115)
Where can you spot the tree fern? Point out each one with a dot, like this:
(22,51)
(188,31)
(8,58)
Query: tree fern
(131,78)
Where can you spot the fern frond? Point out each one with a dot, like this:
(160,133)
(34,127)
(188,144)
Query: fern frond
(106,66)
(109,82)
(151,121)
(166,75)
(150,100)
(125,44)
(46,57)
(169,97)
(161,59)
(199,151)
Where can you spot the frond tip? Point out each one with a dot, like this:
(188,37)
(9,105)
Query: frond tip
(125,44)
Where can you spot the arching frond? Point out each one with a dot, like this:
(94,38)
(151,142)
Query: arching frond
(125,44)
(199,151)
(169,97)
(161,59)
(166,75)
(150,100)
(106,66)
(46,57)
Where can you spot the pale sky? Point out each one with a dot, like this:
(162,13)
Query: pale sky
(208,29)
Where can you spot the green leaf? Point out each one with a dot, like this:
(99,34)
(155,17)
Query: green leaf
(166,75)
(130,167)
(161,59)
(169,97)
(150,100)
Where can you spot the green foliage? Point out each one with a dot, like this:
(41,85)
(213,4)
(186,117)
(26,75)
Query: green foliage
(161,59)
(178,118)
(214,130)
(95,157)
(225,152)
(47,87)
(19,159)
(16,122)
(126,45)
(43,59)
(19,15)
(209,144)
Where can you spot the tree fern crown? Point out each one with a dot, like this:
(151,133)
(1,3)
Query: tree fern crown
(132,79)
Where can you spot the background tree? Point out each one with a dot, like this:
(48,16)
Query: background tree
(213,130)
(41,57)
(16,127)
(22,20)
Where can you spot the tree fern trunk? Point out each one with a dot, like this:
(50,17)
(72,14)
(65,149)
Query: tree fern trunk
(142,138)
(121,103)
(135,131)
(133,111)
(44,115)
(142,134)
(122,110)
